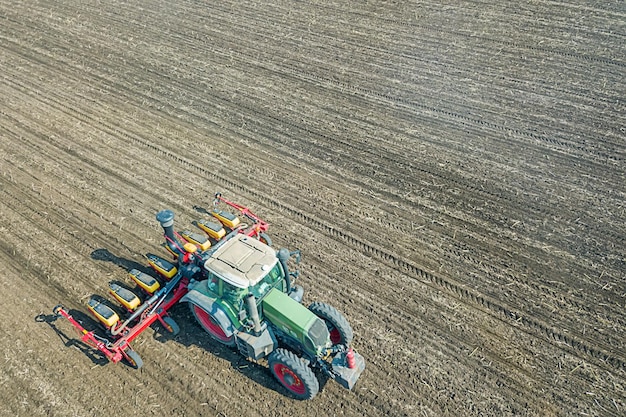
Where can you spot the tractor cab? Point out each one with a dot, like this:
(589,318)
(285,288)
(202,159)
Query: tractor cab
(245,262)
(240,267)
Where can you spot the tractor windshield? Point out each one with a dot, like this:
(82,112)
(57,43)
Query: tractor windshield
(271,280)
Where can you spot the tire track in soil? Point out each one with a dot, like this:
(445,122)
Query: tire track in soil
(456,252)
(457,290)
(476,189)
(601,356)
(451,352)
(331,234)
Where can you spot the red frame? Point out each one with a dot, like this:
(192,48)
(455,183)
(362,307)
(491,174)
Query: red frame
(259,226)
(116,351)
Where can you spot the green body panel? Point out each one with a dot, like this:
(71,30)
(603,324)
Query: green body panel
(230,313)
(295,320)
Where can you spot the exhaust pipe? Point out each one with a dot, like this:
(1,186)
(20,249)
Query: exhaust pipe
(253,313)
(283,256)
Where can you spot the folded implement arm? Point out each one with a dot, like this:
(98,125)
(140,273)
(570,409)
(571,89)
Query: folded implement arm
(258,227)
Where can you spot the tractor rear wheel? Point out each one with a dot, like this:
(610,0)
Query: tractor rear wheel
(293,374)
(212,326)
(338,327)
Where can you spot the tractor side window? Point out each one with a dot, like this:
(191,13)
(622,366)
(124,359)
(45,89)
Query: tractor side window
(232,294)
(280,274)
(275,274)
(213,284)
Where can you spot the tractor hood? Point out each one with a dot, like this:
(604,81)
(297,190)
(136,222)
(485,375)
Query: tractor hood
(242,261)
(296,321)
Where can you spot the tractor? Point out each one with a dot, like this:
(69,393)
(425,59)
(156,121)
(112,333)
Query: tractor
(242,292)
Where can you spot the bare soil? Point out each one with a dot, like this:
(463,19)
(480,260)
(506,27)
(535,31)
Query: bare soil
(454,173)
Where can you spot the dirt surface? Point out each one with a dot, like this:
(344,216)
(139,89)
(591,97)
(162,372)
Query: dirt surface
(453,172)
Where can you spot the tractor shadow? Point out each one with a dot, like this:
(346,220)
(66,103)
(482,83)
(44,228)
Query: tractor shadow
(126,264)
(201,210)
(73,340)
(191,334)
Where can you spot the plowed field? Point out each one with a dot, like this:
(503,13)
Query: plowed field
(453,172)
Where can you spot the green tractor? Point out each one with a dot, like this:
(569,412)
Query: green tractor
(242,292)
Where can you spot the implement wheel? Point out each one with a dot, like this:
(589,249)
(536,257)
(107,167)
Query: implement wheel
(212,326)
(171,326)
(294,374)
(338,327)
(133,359)
(264,238)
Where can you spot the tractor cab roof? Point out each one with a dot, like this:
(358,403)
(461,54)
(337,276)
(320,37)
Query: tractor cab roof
(242,261)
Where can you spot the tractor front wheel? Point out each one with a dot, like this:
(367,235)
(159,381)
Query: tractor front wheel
(338,327)
(293,374)
(212,326)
